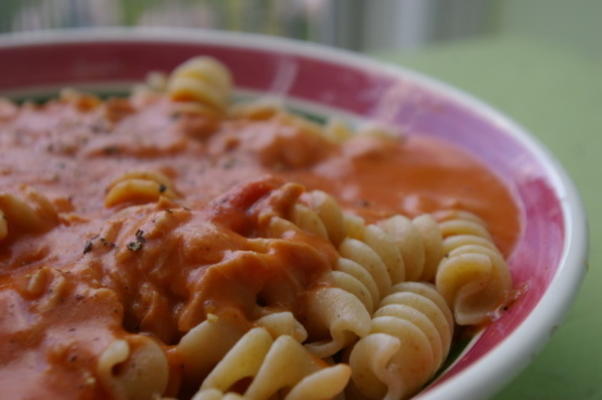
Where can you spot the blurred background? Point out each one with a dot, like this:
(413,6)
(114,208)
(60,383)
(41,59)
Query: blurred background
(538,61)
(360,25)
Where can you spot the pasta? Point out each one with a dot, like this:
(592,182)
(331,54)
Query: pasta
(29,212)
(410,337)
(274,365)
(361,275)
(283,323)
(370,262)
(203,80)
(335,130)
(336,313)
(134,369)
(473,277)
(138,186)
(175,245)
(322,216)
(420,243)
(362,254)
(203,346)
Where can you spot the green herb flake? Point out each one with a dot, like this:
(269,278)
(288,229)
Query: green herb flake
(135,246)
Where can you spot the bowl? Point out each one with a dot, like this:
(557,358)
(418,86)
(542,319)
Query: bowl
(548,260)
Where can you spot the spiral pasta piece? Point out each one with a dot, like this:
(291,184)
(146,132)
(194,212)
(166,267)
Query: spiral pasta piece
(201,79)
(205,345)
(29,212)
(354,278)
(473,278)
(273,366)
(410,337)
(134,369)
(335,314)
(358,252)
(420,242)
(139,187)
(201,348)
(380,242)
(283,323)
(370,260)
(362,275)
(320,214)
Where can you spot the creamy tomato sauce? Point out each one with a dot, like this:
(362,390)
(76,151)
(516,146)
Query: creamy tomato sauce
(107,272)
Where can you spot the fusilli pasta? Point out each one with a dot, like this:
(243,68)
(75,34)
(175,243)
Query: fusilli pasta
(320,214)
(370,262)
(283,323)
(419,242)
(273,366)
(203,80)
(473,277)
(135,368)
(28,212)
(410,337)
(335,315)
(203,346)
(139,187)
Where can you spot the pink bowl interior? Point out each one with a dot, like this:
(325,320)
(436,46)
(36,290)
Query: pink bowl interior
(355,89)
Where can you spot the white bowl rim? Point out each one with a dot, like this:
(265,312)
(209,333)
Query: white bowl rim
(498,366)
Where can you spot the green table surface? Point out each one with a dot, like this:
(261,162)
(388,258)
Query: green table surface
(556,93)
